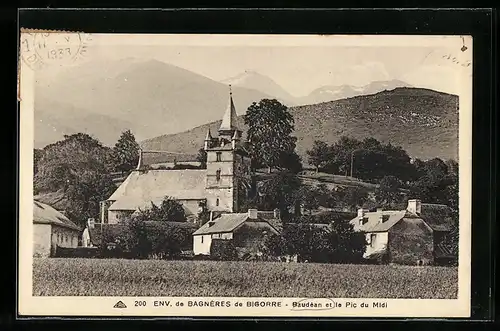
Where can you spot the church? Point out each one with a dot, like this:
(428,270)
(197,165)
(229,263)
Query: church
(221,187)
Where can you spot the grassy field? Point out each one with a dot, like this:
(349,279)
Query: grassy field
(93,277)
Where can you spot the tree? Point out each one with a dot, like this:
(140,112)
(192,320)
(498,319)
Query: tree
(278,191)
(85,192)
(388,193)
(167,240)
(37,155)
(170,210)
(126,152)
(309,197)
(306,241)
(290,161)
(270,126)
(353,197)
(78,166)
(319,155)
(326,197)
(202,158)
(136,237)
(342,152)
(345,245)
(438,182)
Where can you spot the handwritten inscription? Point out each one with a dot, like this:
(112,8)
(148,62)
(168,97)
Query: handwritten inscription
(456,61)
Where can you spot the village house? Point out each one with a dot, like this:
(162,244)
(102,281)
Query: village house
(246,230)
(52,229)
(222,186)
(415,235)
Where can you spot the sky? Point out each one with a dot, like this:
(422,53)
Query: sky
(298,65)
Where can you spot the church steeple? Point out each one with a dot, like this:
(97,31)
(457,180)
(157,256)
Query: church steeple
(230,118)
(208,139)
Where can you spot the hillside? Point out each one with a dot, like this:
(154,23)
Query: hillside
(149,97)
(424,122)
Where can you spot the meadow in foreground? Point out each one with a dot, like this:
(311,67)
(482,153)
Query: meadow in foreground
(117,277)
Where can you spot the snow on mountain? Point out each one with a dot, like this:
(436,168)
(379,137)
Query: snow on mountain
(256,81)
(332,93)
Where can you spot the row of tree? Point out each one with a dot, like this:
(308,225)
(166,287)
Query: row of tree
(398,176)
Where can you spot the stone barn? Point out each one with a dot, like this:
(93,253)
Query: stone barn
(413,236)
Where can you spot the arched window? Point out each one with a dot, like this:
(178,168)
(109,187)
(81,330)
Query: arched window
(217,202)
(217,175)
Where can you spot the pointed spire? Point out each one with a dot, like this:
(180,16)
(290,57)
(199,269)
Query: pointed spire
(208,139)
(209,135)
(230,118)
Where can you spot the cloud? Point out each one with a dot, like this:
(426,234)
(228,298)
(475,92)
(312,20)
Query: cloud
(437,77)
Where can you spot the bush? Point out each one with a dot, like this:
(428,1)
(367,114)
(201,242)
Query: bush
(222,249)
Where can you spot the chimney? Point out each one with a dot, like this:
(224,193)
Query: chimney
(211,215)
(252,214)
(380,209)
(414,206)
(276,214)
(139,164)
(361,212)
(383,218)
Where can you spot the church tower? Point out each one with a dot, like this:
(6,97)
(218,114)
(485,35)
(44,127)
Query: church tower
(228,164)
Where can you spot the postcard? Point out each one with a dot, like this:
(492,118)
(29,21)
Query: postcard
(244,175)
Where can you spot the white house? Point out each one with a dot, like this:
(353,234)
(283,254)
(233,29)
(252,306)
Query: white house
(245,229)
(410,236)
(50,229)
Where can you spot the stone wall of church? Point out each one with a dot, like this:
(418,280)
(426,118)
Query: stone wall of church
(224,197)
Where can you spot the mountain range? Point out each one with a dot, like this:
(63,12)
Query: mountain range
(168,108)
(424,122)
(150,98)
(256,81)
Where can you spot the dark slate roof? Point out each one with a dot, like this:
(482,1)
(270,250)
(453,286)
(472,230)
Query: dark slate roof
(143,187)
(437,217)
(373,223)
(228,223)
(224,223)
(45,214)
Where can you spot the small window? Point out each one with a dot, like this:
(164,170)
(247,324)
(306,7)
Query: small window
(217,202)
(217,175)
(218,156)
(202,239)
